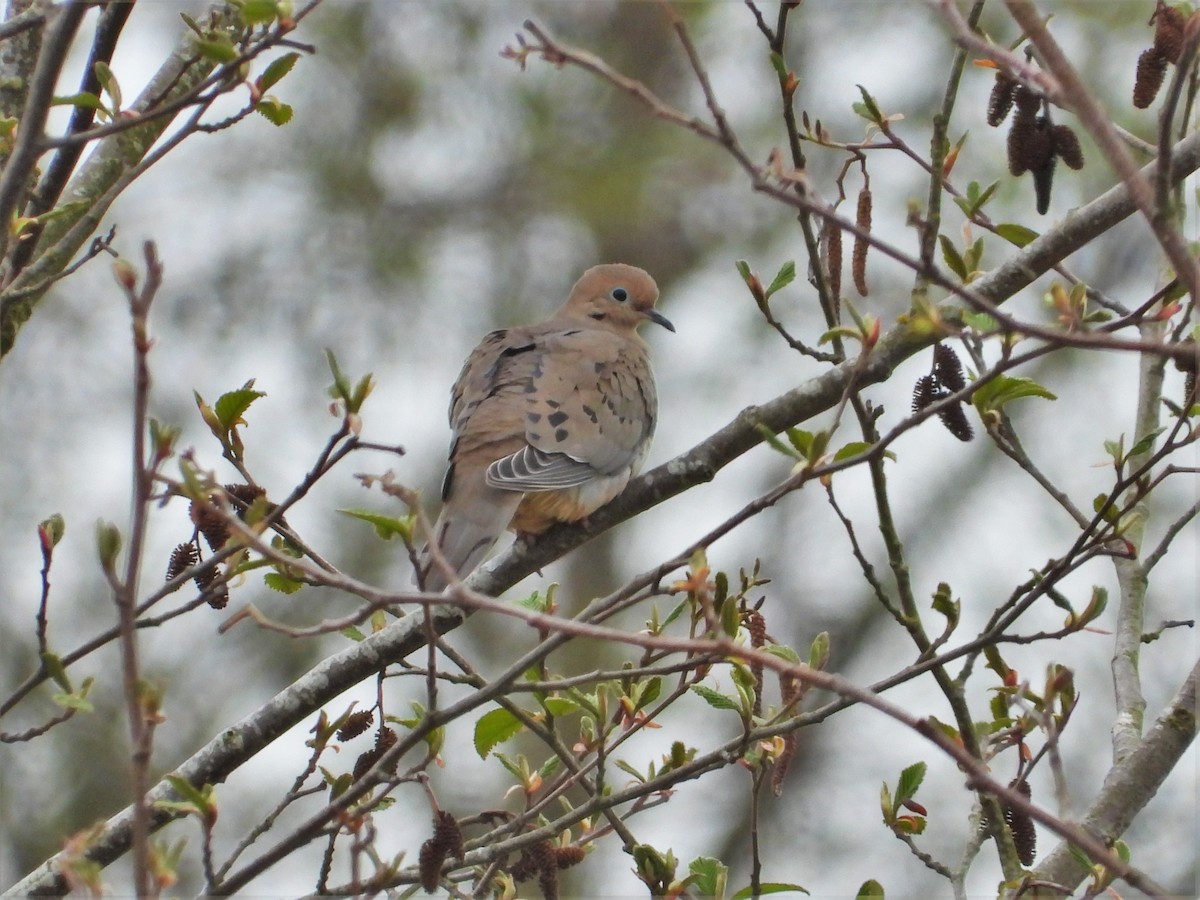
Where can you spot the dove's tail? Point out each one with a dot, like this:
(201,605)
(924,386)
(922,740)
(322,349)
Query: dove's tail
(470,524)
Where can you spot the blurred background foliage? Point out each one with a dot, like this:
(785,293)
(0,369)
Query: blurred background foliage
(427,191)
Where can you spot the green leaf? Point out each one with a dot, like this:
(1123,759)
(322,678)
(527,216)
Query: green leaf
(108,544)
(258,12)
(53,528)
(52,663)
(870,889)
(353,633)
(708,876)
(84,99)
(188,791)
(980,322)
(493,728)
(973,257)
(818,651)
(646,693)
(673,614)
(785,276)
(560,706)
(275,72)
(274,111)
(778,65)
(217,47)
(910,780)
(854,448)
(387,527)
(774,442)
(952,258)
(1004,389)
(231,407)
(108,81)
(279,582)
(715,699)
(1096,606)
(868,109)
(1017,235)
(782,651)
(74,701)
(1111,513)
(1145,443)
(628,769)
(944,603)
(770,887)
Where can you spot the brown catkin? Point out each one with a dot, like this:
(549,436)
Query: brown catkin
(356,723)
(210,523)
(1001,99)
(247,493)
(1029,144)
(447,840)
(1168,31)
(858,264)
(534,859)
(1151,70)
(1021,825)
(833,259)
(384,738)
(947,368)
(183,557)
(756,625)
(565,857)
(548,882)
(925,391)
(1065,143)
(1028,102)
(207,582)
(954,417)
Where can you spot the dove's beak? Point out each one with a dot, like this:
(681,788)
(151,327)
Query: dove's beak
(659,319)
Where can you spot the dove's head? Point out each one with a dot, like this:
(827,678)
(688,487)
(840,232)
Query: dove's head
(615,296)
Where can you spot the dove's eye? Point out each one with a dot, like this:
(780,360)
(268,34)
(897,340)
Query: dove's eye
(620,294)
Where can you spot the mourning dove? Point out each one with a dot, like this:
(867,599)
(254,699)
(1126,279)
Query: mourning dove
(550,421)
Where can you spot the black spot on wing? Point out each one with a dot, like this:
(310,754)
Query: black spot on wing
(557,418)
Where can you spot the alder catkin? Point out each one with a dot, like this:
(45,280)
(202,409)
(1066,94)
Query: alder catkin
(954,417)
(183,557)
(1168,31)
(356,723)
(924,392)
(833,259)
(446,841)
(1021,826)
(862,219)
(1151,70)
(1001,99)
(947,368)
(1065,144)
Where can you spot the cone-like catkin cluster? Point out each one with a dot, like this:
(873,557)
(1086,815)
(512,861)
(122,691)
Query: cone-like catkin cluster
(447,841)
(544,859)
(945,378)
(1167,46)
(1035,143)
(356,723)
(210,521)
(1021,825)
(384,739)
